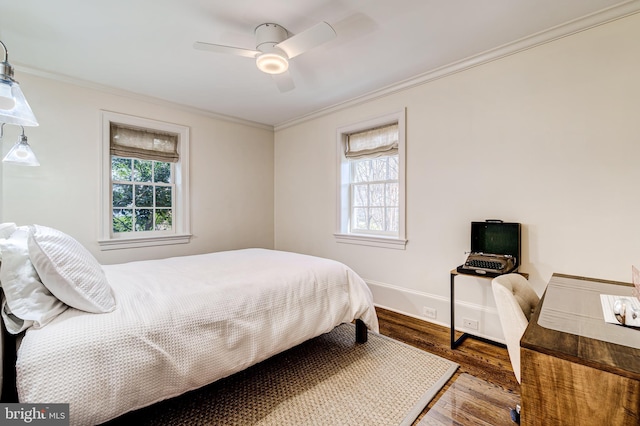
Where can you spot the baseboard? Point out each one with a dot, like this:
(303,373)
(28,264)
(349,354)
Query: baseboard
(412,303)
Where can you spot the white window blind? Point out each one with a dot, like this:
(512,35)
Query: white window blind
(144,144)
(373,143)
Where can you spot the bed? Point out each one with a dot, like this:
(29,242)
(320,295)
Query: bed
(158,328)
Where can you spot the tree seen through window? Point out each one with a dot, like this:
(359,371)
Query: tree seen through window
(374,194)
(142,195)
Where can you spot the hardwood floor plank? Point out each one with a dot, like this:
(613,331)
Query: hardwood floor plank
(496,390)
(471,401)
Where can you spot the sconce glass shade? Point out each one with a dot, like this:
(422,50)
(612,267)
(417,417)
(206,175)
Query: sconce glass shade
(21,154)
(14,108)
(272,63)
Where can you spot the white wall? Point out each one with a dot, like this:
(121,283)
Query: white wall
(231,184)
(549,137)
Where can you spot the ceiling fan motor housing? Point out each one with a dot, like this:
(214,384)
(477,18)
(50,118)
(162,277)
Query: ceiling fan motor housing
(268,35)
(273,60)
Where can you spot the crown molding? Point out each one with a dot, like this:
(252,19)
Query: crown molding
(132,95)
(569,28)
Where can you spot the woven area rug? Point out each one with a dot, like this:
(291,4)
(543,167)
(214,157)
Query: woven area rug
(329,380)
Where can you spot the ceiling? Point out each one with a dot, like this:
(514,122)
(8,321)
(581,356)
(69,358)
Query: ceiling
(146,47)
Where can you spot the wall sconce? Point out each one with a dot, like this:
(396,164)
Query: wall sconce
(21,153)
(14,108)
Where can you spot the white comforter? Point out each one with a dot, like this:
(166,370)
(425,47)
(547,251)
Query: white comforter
(182,323)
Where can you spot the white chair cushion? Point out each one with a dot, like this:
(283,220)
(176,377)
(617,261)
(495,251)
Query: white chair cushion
(515,300)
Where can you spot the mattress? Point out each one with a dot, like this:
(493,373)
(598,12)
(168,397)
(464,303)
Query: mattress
(184,322)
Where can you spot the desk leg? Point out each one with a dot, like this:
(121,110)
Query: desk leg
(453,315)
(454,343)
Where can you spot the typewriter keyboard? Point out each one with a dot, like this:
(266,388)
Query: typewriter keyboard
(485,264)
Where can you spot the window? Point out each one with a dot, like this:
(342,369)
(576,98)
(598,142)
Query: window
(374,195)
(141,195)
(145,187)
(371,182)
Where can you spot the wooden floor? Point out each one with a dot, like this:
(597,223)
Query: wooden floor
(484,361)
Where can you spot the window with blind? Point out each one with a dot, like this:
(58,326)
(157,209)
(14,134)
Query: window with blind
(371,182)
(144,182)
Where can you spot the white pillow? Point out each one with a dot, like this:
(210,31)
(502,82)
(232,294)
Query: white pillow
(69,271)
(27,302)
(6,229)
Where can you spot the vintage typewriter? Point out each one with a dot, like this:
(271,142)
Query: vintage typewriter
(495,248)
(487,263)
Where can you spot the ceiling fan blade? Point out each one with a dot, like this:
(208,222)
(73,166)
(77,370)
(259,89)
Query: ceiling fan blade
(218,48)
(308,39)
(284,81)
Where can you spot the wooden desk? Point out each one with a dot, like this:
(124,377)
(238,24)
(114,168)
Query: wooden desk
(576,380)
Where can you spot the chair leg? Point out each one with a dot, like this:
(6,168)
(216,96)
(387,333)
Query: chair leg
(515,414)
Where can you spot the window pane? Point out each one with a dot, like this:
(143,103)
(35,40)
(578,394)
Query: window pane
(361,170)
(376,194)
(392,219)
(156,200)
(144,219)
(360,195)
(392,194)
(144,196)
(375,205)
(120,168)
(162,172)
(163,220)
(142,170)
(122,220)
(122,195)
(379,168)
(163,196)
(393,167)
(360,218)
(376,219)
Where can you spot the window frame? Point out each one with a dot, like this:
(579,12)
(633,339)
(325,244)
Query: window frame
(343,232)
(181,232)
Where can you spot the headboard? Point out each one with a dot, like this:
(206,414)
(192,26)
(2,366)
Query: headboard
(8,391)
(1,360)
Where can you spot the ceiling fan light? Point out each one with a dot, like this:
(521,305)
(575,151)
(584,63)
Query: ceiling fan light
(272,63)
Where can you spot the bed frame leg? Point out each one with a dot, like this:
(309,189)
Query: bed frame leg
(361,331)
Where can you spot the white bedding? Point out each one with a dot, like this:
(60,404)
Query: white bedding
(182,323)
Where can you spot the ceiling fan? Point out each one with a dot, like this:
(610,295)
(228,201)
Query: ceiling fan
(275,46)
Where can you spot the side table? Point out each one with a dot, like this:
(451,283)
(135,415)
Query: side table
(457,342)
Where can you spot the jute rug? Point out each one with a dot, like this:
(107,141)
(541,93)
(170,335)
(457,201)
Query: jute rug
(329,380)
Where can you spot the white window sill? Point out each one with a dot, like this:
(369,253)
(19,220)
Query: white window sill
(135,242)
(367,240)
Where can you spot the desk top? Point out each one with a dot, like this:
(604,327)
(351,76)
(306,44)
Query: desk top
(491,275)
(596,353)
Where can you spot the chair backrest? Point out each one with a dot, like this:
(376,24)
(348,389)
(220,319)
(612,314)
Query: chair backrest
(515,300)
